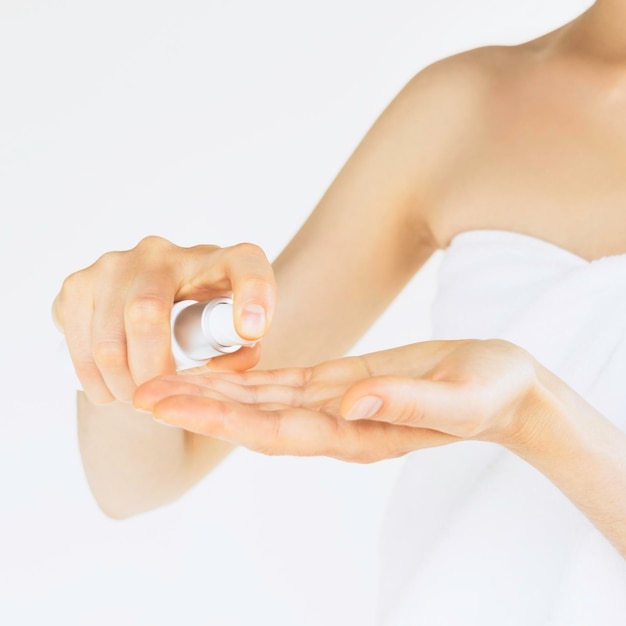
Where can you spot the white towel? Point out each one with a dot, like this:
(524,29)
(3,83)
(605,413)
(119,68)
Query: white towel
(473,534)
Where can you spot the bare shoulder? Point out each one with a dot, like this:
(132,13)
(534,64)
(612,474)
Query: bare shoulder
(456,84)
(469,70)
(445,109)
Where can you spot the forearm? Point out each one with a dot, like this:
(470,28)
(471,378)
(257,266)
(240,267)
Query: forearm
(581,452)
(134,464)
(363,242)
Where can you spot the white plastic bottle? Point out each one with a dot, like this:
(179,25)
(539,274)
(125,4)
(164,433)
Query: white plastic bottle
(202,330)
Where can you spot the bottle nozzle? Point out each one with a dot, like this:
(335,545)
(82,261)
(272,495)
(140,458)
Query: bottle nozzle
(203,330)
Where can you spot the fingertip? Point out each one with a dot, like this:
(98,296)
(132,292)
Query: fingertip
(189,413)
(253,321)
(254,307)
(141,400)
(160,365)
(147,394)
(244,359)
(100,397)
(93,386)
(162,415)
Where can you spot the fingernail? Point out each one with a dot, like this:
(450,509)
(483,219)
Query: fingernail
(364,408)
(253,320)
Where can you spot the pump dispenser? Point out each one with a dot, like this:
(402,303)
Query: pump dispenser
(203,330)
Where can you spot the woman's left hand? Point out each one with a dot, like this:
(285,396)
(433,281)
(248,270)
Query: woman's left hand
(362,409)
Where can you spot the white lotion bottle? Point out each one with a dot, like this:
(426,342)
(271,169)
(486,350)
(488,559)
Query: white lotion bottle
(203,330)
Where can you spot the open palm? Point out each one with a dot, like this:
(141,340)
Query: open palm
(428,394)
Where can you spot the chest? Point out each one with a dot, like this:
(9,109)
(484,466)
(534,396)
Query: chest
(548,161)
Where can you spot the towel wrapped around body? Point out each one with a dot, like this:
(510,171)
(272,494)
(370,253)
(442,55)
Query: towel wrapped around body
(473,534)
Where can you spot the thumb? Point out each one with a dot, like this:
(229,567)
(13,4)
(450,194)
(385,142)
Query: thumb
(404,401)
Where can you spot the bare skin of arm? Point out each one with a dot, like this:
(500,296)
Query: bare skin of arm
(527,138)
(133,463)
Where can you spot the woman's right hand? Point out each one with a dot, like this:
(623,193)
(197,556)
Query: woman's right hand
(115,314)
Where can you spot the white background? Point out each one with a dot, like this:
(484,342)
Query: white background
(201,121)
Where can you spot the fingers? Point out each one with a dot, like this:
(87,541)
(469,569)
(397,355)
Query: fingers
(233,387)
(269,420)
(223,407)
(109,344)
(116,313)
(476,391)
(73,313)
(292,376)
(146,312)
(56,313)
(243,359)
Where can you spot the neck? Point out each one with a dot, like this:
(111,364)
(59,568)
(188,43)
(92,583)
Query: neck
(600,32)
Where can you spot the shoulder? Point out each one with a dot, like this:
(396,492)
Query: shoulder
(464,68)
(447,100)
(462,80)
(445,112)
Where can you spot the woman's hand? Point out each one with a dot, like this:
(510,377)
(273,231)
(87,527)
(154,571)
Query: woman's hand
(115,314)
(366,408)
(389,403)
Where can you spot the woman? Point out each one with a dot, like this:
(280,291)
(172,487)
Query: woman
(514,158)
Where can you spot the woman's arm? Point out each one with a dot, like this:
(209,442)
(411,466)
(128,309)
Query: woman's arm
(389,403)
(366,238)
(580,451)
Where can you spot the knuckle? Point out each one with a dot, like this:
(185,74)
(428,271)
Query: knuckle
(406,414)
(109,353)
(248,249)
(72,291)
(154,242)
(153,250)
(110,262)
(409,412)
(72,286)
(256,284)
(248,262)
(71,283)
(87,370)
(147,310)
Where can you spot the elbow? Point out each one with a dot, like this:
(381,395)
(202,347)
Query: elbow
(120,508)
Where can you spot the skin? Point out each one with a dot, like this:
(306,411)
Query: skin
(528,138)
